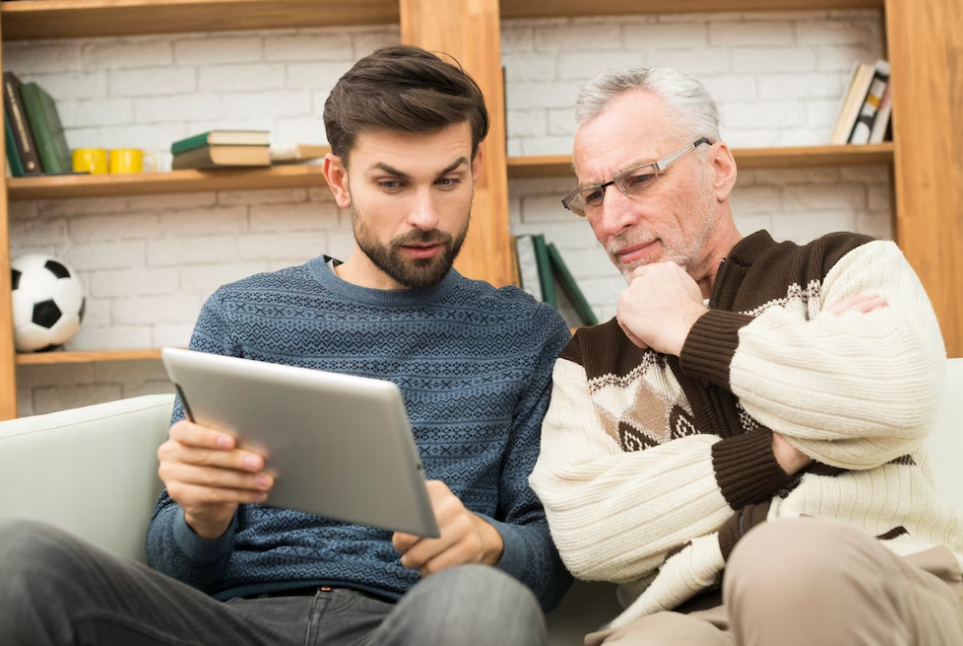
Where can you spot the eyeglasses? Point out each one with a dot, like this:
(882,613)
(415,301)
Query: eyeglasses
(633,183)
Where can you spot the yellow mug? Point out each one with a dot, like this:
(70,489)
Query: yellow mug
(126,160)
(91,160)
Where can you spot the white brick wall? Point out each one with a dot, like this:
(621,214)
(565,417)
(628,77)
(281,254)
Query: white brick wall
(776,76)
(148,262)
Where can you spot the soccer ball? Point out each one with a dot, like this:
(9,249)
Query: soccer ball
(48,303)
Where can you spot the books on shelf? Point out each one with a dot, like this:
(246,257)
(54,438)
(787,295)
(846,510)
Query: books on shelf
(871,103)
(547,278)
(222,149)
(46,128)
(21,149)
(222,138)
(207,157)
(860,117)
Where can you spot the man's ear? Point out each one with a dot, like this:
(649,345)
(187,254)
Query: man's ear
(723,167)
(476,165)
(336,174)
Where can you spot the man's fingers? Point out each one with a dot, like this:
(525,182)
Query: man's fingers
(404,542)
(173,451)
(427,549)
(190,434)
(457,555)
(214,477)
(862,303)
(634,339)
(188,495)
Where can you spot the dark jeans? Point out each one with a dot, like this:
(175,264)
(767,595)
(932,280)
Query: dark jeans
(56,590)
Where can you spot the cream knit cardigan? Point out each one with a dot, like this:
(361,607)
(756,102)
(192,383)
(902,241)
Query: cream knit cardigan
(854,391)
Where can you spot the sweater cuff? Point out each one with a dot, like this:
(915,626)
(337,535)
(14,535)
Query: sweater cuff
(746,468)
(513,560)
(711,344)
(197,549)
(739,524)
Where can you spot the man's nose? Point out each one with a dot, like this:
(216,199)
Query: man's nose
(424,213)
(617,214)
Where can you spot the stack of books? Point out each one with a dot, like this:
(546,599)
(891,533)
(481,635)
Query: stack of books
(34,136)
(222,149)
(865,110)
(543,274)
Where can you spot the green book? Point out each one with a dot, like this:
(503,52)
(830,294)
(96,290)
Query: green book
(570,287)
(47,131)
(222,138)
(544,270)
(13,156)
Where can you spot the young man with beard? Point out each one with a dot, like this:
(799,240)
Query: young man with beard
(755,408)
(474,364)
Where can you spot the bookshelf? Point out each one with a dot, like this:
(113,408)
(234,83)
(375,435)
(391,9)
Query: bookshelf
(926,168)
(748,158)
(178,181)
(55,358)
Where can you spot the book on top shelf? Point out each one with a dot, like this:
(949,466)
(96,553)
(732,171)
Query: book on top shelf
(881,122)
(14,163)
(222,157)
(222,138)
(874,97)
(852,103)
(46,128)
(19,127)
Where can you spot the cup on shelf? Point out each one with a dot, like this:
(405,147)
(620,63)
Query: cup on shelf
(90,160)
(126,160)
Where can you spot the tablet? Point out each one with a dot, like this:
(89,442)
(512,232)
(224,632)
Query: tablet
(341,445)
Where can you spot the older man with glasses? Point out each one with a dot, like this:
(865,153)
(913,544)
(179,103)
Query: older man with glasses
(740,447)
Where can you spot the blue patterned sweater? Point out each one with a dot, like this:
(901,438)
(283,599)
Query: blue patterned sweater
(474,365)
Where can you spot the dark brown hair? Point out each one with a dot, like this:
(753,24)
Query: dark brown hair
(403,88)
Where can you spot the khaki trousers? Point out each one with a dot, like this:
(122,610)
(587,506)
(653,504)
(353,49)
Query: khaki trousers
(807,582)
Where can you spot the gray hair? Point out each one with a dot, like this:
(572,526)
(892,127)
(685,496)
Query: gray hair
(690,104)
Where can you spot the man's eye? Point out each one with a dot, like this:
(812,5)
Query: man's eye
(593,197)
(448,182)
(390,184)
(638,179)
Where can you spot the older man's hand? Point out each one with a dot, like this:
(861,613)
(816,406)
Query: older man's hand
(659,307)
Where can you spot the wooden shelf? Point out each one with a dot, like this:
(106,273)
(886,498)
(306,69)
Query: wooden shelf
(178,181)
(92,18)
(747,158)
(54,358)
(565,8)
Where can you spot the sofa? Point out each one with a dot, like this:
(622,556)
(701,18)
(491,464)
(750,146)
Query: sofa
(93,472)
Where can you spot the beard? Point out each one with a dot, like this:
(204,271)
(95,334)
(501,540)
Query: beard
(414,273)
(675,248)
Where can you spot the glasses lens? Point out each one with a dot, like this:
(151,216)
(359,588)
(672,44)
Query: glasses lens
(575,204)
(636,183)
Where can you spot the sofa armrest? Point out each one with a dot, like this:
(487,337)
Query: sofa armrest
(91,471)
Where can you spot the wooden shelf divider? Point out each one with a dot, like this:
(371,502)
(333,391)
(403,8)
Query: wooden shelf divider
(94,18)
(60,357)
(178,181)
(748,158)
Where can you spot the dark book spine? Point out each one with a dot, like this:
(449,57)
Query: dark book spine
(13,104)
(13,157)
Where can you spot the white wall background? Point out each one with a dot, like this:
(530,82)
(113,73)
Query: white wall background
(149,262)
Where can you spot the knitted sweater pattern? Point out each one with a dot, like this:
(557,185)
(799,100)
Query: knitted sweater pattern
(653,466)
(474,366)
